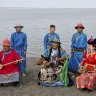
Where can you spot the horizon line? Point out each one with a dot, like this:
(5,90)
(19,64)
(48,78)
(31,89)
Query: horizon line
(52,7)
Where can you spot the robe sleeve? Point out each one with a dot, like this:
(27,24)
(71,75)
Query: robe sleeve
(0,56)
(45,41)
(46,53)
(95,57)
(12,41)
(17,56)
(84,59)
(63,53)
(72,40)
(85,40)
(25,45)
(57,36)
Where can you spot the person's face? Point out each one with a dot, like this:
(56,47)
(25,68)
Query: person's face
(55,45)
(18,29)
(52,30)
(90,48)
(6,48)
(79,29)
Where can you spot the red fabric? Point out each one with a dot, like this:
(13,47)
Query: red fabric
(9,58)
(86,80)
(88,61)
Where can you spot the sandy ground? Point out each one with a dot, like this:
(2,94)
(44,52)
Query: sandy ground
(29,87)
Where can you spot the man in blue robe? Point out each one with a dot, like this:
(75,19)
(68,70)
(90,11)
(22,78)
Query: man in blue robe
(78,47)
(19,43)
(49,37)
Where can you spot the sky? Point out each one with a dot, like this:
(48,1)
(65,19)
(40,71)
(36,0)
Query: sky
(49,3)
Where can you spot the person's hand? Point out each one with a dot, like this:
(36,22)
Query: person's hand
(54,61)
(1,66)
(49,47)
(25,52)
(19,62)
(45,62)
(58,59)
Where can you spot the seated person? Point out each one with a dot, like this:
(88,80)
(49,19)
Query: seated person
(52,63)
(88,68)
(10,72)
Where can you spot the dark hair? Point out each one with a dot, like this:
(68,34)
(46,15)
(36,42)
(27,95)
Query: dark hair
(52,26)
(59,51)
(93,43)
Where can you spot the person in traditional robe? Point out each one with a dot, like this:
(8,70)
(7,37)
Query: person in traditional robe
(19,43)
(87,80)
(50,37)
(52,64)
(9,73)
(78,47)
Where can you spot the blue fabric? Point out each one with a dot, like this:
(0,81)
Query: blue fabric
(52,84)
(47,52)
(49,38)
(19,43)
(63,53)
(75,60)
(78,41)
(23,65)
(19,40)
(56,84)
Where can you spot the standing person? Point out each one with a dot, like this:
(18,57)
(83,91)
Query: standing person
(49,37)
(79,45)
(9,73)
(19,43)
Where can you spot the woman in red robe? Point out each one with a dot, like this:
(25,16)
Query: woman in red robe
(9,73)
(88,79)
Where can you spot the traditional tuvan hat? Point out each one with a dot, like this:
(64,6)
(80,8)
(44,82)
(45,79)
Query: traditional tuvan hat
(55,40)
(6,42)
(18,26)
(79,25)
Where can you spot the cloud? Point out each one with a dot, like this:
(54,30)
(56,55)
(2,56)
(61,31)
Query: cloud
(49,3)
